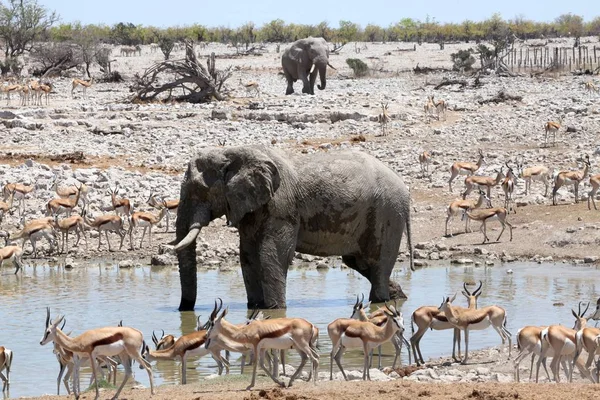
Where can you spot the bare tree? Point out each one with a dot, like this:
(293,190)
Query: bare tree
(52,60)
(22,23)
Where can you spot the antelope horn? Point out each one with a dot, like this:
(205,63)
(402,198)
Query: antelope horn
(47,316)
(63,324)
(478,289)
(154,338)
(586,308)
(220,305)
(579,309)
(356,302)
(362,297)
(465,287)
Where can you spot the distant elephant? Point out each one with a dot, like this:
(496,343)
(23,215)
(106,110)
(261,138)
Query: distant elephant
(298,60)
(325,204)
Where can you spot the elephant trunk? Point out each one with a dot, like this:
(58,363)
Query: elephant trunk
(188,228)
(322,76)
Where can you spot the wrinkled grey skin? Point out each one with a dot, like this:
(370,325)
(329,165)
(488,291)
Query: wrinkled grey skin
(325,204)
(298,59)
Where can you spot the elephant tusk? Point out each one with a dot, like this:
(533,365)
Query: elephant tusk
(191,236)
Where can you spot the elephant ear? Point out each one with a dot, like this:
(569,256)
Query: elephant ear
(296,53)
(251,180)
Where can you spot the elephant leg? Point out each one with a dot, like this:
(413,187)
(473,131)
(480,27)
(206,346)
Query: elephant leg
(290,84)
(250,262)
(313,79)
(303,75)
(274,250)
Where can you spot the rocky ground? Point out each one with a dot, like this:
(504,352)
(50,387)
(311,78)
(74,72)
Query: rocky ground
(144,149)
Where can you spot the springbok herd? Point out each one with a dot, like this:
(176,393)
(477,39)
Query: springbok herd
(266,339)
(33,91)
(67,200)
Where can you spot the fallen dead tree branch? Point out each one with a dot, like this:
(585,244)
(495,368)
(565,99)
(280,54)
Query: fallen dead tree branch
(450,82)
(183,80)
(501,97)
(428,70)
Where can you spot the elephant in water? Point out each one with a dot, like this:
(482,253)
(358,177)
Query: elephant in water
(298,61)
(325,204)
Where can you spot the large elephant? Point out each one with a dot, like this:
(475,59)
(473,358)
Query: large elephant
(298,60)
(325,204)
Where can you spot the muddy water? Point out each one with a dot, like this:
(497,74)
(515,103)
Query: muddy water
(146,298)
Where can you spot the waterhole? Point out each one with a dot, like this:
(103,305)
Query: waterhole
(146,298)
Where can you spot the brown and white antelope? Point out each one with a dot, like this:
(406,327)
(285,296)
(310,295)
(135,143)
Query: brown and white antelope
(552,127)
(590,87)
(70,192)
(36,230)
(6,206)
(508,187)
(84,86)
(146,220)
(476,319)
(562,341)
(440,107)
(6,357)
(190,345)
(430,317)
(462,205)
(567,178)
(465,168)
(276,333)
(20,191)
(120,206)
(11,252)
(490,214)
(110,341)
(350,333)
(594,183)
(586,338)
(250,87)
(384,118)
(159,203)
(106,223)
(538,173)
(429,108)
(529,341)
(67,205)
(424,160)
(480,182)
(379,318)
(71,224)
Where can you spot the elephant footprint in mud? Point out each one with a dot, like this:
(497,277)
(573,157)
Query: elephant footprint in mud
(345,204)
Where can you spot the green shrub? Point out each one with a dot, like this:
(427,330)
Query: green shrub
(358,67)
(463,60)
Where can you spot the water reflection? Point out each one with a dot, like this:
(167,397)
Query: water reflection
(146,298)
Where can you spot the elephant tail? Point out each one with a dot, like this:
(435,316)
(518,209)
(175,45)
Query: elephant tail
(409,243)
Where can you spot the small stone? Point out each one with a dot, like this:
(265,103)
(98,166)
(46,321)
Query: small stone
(126,264)
(590,259)
(462,261)
(482,371)
(420,263)
(211,376)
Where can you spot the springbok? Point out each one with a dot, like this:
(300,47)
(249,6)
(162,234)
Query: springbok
(379,318)
(110,341)
(190,345)
(552,127)
(146,220)
(158,203)
(20,191)
(424,160)
(71,224)
(465,168)
(562,341)
(350,333)
(384,119)
(479,319)
(508,187)
(106,223)
(567,178)
(6,357)
(120,206)
(84,85)
(11,252)
(490,214)
(250,87)
(595,183)
(58,206)
(529,341)
(430,317)
(462,205)
(477,181)
(6,206)
(34,231)
(276,333)
(538,173)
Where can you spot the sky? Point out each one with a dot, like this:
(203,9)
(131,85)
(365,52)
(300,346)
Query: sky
(233,13)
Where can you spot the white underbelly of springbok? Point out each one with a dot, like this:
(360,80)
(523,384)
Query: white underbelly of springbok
(199,351)
(351,342)
(465,171)
(281,343)
(481,325)
(143,223)
(110,350)
(440,325)
(568,348)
